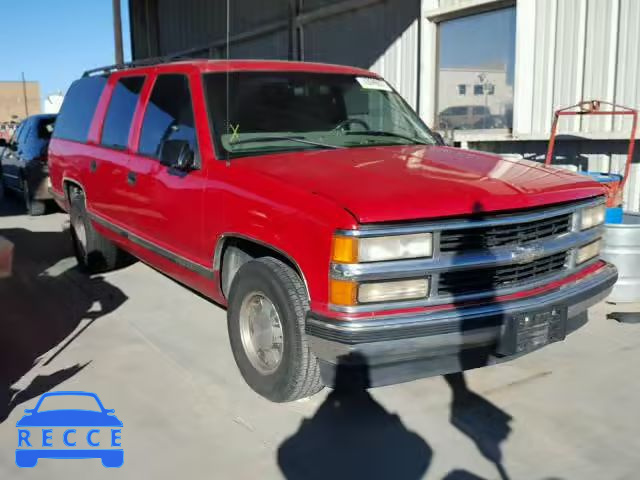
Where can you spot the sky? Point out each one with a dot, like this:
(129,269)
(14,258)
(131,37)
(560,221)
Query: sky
(54,41)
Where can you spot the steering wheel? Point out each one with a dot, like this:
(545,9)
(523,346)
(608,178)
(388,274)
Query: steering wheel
(349,121)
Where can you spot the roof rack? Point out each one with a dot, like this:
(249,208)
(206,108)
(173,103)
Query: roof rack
(145,62)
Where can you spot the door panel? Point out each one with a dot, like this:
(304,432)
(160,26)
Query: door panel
(108,192)
(167,202)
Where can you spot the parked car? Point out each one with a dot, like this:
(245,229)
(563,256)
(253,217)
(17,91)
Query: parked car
(466,117)
(23,162)
(314,204)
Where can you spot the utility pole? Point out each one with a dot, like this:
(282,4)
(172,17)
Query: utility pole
(117,32)
(24,94)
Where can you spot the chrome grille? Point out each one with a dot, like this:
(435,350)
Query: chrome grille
(504,235)
(480,258)
(466,282)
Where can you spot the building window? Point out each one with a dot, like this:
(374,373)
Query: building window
(477,50)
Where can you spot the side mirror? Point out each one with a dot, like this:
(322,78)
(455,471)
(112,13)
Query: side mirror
(3,143)
(109,411)
(29,411)
(177,154)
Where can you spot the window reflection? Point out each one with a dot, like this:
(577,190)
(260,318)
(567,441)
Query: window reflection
(477,60)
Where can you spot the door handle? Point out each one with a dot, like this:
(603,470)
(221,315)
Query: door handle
(131,178)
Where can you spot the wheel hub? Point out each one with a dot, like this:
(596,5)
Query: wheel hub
(261,332)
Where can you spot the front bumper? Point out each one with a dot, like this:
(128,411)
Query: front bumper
(395,349)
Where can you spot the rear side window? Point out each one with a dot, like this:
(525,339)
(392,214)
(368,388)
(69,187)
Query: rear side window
(78,108)
(169,115)
(45,128)
(115,131)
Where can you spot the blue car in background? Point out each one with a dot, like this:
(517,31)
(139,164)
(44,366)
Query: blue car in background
(35,432)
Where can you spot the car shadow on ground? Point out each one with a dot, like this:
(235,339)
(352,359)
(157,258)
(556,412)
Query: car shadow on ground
(44,306)
(353,436)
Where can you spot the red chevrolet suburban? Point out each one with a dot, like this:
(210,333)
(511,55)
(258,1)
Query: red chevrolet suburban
(312,202)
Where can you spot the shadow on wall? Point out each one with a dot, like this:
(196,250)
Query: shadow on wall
(44,306)
(353,436)
(373,31)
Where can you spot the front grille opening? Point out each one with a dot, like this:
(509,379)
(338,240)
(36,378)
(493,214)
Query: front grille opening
(483,280)
(482,238)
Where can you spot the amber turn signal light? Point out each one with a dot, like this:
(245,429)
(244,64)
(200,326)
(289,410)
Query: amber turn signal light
(343,293)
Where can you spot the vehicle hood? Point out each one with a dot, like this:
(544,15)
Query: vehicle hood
(383,184)
(69,418)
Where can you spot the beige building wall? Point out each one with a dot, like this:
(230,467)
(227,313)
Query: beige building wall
(12,100)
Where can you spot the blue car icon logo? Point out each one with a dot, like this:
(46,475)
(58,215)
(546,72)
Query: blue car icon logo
(89,432)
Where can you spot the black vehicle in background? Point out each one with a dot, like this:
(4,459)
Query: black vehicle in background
(23,162)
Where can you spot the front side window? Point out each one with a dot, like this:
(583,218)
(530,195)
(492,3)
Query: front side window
(169,115)
(254,113)
(117,123)
(477,50)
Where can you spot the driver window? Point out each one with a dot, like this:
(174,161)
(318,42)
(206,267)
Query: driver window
(169,115)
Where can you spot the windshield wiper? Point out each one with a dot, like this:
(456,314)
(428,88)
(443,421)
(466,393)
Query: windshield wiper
(283,138)
(380,133)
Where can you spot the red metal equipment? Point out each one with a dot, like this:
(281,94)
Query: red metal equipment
(614,184)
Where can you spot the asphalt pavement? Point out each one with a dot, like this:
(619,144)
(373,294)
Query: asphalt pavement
(158,354)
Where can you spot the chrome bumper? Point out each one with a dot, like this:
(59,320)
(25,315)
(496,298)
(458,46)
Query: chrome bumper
(402,348)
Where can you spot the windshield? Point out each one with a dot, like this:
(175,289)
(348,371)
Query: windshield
(256,113)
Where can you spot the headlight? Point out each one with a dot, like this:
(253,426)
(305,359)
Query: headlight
(378,249)
(592,217)
(347,293)
(393,291)
(588,252)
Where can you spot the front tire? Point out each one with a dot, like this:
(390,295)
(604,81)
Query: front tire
(94,253)
(266,317)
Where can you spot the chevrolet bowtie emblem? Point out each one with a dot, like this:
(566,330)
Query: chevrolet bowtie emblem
(522,255)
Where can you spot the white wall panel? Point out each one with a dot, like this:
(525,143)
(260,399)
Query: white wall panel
(543,71)
(601,47)
(568,63)
(627,87)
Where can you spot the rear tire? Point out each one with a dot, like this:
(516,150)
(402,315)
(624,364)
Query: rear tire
(34,207)
(268,281)
(95,253)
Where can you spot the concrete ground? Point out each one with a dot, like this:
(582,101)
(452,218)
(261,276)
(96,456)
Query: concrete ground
(158,354)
